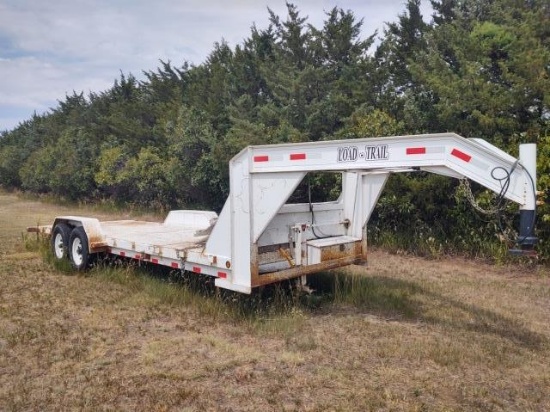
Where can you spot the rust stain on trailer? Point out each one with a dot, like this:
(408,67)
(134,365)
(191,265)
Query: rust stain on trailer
(96,239)
(332,257)
(254,263)
(279,255)
(297,271)
(340,251)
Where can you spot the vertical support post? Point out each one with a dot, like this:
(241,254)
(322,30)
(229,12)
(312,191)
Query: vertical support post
(298,246)
(243,250)
(528,160)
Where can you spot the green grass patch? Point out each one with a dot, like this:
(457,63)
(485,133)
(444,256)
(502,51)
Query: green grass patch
(433,247)
(38,243)
(378,294)
(175,288)
(101,206)
(278,308)
(275,309)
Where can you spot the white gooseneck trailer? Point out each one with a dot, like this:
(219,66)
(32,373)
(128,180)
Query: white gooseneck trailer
(259,238)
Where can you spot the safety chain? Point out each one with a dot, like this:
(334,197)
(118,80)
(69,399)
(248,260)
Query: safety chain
(465,188)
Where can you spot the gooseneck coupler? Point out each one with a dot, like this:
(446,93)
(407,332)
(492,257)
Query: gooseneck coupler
(528,160)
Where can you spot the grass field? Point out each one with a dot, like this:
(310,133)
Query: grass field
(404,334)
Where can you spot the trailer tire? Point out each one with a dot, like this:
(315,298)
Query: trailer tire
(60,241)
(78,249)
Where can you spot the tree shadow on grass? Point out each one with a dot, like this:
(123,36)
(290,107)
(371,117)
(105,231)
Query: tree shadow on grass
(406,300)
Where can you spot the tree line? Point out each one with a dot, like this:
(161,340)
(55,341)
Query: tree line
(479,68)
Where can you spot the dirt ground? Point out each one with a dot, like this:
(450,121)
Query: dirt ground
(421,335)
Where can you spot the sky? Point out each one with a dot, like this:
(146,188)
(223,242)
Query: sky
(49,49)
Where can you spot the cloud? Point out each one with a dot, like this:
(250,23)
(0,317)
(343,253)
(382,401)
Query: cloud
(50,48)
(33,83)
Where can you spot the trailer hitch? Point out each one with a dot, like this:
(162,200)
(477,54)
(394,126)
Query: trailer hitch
(526,240)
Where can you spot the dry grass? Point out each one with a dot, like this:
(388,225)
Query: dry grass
(404,334)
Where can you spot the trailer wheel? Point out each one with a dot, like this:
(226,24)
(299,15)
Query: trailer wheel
(78,249)
(60,240)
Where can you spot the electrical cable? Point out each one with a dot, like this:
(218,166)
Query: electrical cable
(498,208)
(324,236)
(502,194)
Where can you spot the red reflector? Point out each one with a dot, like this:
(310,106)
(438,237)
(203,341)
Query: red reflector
(416,150)
(156,261)
(222,275)
(297,156)
(123,254)
(175,265)
(196,269)
(461,155)
(261,158)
